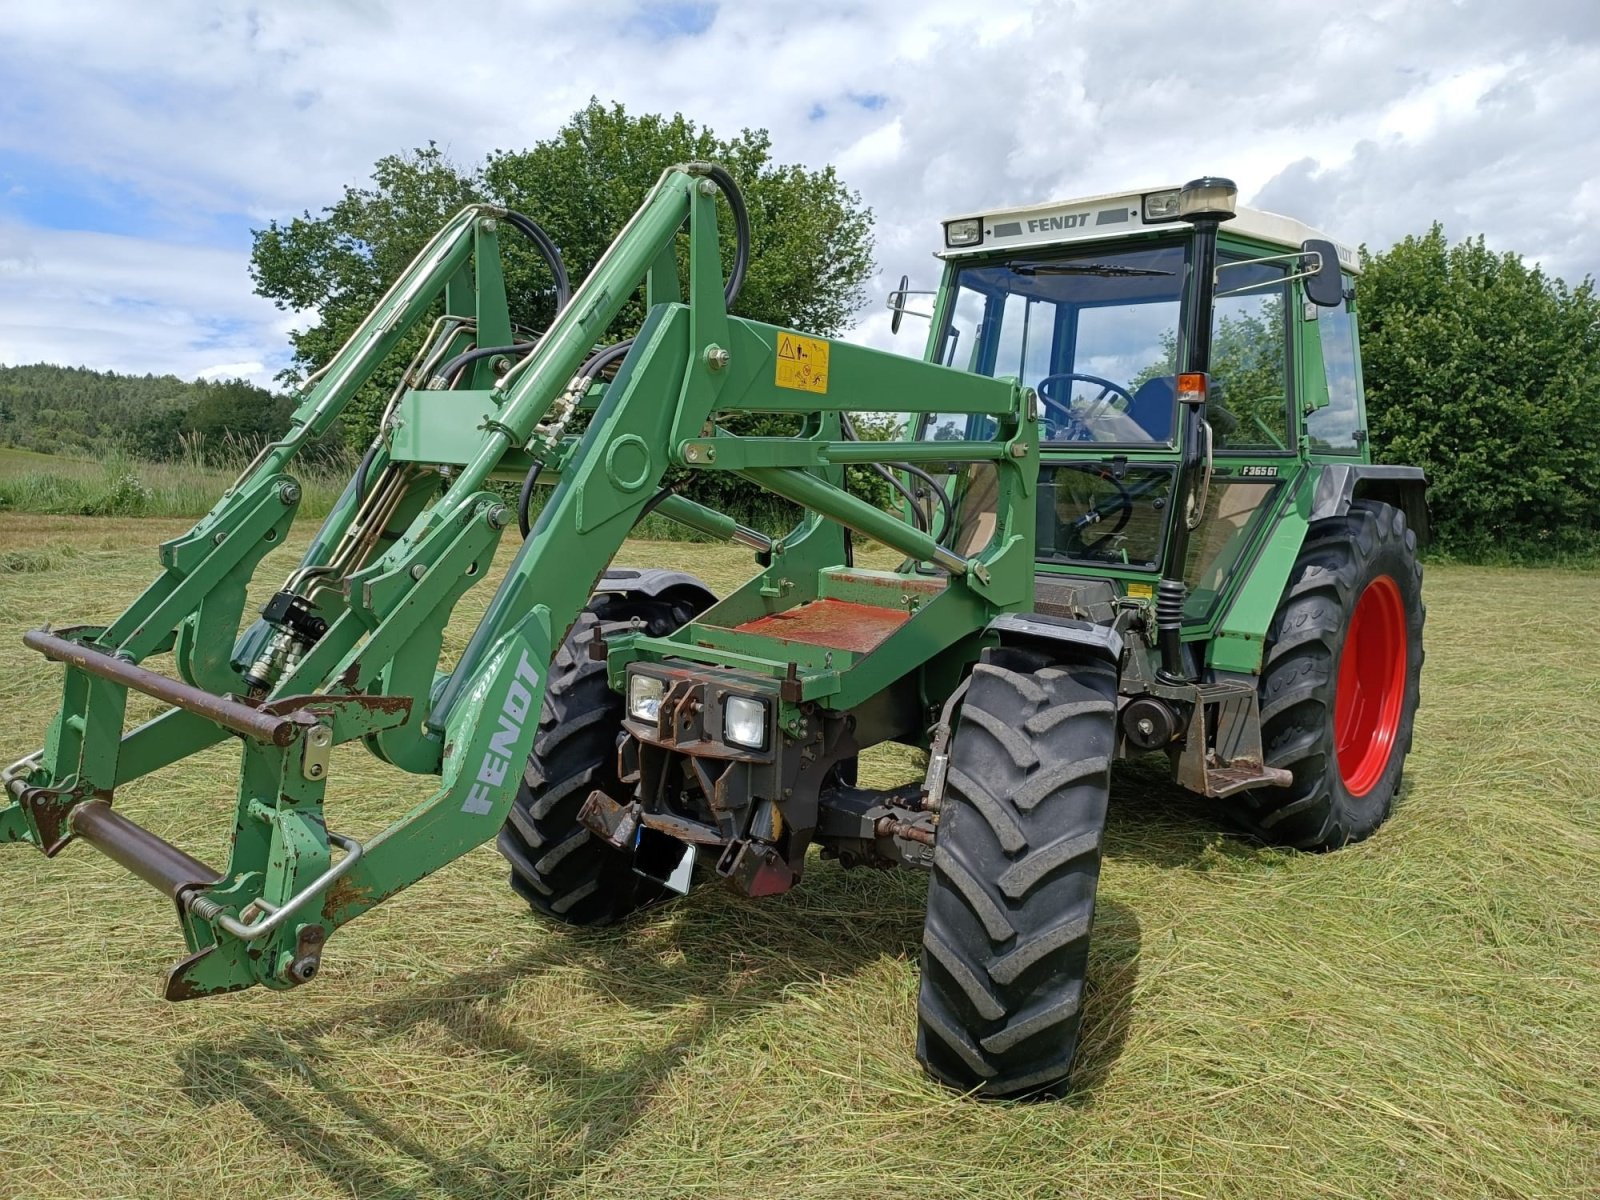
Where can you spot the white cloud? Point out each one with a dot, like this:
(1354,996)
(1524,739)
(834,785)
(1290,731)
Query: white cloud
(1371,119)
(129,304)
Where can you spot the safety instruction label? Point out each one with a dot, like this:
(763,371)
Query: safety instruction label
(1141,591)
(802,363)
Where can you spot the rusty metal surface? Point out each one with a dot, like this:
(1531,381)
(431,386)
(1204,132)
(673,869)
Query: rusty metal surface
(156,861)
(224,710)
(889,827)
(346,893)
(683,828)
(49,808)
(889,582)
(608,820)
(836,624)
(182,985)
(756,870)
(316,702)
(1222,751)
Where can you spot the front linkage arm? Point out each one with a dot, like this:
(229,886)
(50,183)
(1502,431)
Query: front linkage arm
(365,612)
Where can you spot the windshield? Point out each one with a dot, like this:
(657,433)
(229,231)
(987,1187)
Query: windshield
(1093,332)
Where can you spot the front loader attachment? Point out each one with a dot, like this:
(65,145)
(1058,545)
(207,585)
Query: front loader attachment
(350,647)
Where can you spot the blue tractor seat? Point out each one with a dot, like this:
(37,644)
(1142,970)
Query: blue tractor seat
(1152,407)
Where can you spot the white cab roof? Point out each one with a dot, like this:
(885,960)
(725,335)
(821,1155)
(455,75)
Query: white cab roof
(1115,214)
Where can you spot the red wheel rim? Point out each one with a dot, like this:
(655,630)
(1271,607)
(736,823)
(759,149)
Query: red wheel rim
(1372,686)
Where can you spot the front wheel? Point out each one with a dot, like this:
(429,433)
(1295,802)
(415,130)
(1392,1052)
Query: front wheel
(1340,683)
(557,865)
(1015,867)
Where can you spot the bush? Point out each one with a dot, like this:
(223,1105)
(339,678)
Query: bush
(1481,370)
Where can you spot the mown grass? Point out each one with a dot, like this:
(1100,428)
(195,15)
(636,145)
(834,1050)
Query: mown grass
(1416,1016)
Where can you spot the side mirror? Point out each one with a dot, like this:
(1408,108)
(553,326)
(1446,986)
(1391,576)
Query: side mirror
(1324,283)
(897,304)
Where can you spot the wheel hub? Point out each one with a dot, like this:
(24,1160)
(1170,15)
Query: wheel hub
(1371,687)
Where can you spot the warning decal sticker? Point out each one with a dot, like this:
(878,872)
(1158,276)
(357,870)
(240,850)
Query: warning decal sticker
(802,363)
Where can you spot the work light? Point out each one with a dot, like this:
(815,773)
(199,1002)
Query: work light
(1161,206)
(644,696)
(966,232)
(744,722)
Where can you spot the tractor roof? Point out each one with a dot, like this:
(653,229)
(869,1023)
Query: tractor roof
(1091,218)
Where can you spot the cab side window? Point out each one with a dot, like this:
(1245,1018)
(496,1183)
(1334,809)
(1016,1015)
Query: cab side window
(1249,399)
(1336,428)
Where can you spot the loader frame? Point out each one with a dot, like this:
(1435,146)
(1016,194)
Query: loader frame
(419,526)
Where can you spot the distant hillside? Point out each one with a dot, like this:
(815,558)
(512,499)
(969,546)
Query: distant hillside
(73,410)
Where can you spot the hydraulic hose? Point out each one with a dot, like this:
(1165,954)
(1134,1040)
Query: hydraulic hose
(449,369)
(741,227)
(917,516)
(945,505)
(604,358)
(597,362)
(654,503)
(547,250)
(932,484)
(361,471)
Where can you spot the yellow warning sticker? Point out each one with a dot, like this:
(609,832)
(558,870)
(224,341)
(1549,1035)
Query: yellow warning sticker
(802,363)
(1140,591)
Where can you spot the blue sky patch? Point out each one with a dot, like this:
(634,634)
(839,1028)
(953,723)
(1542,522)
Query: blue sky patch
(663,20)
(50,195)
(45,194)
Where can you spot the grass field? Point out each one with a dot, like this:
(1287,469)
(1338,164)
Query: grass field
(55,485)
(1416,1016)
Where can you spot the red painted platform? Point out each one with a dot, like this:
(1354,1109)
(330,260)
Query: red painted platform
(837,624)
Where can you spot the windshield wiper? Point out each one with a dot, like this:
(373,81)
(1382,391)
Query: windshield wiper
(1080,269)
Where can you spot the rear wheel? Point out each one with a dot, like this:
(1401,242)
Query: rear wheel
(1011,901)
(1340,682)
(562,869)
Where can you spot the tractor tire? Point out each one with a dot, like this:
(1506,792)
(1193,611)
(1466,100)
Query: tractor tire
(562,869)
(1016,863)
(1340,681)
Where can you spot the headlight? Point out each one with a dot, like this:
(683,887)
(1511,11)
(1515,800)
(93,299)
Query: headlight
(968,232)
(744,722)
(644,696)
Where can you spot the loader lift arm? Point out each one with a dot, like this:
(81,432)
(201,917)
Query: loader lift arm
(352,644)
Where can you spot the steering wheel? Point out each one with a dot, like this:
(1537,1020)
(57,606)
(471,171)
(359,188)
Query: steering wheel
(1123,501)
(1074,422)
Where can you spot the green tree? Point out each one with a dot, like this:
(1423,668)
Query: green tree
(1482,370)
(811,245)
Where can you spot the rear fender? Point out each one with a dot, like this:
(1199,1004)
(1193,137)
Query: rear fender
(1406,488)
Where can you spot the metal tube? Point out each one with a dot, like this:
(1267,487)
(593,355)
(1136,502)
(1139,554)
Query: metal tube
(209,910)
(225,711)
(709,521)
(914,452)
(135,848)
(810,492)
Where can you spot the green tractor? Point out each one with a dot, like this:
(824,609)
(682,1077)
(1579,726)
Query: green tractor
(1136,514)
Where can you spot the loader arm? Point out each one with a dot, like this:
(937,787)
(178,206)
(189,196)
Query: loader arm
(350,647)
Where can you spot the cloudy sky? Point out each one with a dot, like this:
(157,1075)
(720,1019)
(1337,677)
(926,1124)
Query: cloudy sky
(137,152)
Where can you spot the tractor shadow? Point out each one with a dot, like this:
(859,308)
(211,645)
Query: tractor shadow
(1155,821)
(716,954)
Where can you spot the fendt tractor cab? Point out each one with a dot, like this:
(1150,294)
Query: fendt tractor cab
(1136,513)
